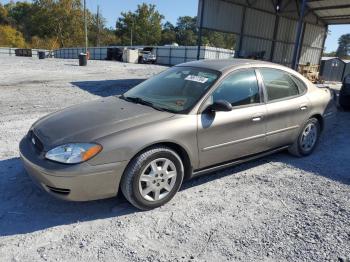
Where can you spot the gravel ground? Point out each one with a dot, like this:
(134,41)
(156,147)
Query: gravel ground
(276,208)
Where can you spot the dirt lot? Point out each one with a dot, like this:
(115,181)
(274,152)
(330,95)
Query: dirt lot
(276,208)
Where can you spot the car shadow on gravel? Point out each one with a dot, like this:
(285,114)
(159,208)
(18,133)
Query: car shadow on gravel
(25,208)
(106,88)
(319,164)
(331,157)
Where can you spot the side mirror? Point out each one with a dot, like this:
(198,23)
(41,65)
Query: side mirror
(221,105)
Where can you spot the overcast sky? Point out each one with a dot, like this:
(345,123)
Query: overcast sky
(171,9)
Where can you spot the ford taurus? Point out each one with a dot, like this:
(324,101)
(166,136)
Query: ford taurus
(191,119)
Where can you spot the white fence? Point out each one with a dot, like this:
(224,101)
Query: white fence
(166,55)
(96,53)
(7,51)
(176,55)
(10,51)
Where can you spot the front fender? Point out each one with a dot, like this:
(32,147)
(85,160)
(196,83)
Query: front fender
(124,145)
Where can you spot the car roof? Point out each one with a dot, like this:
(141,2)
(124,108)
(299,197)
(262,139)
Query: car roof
(226,64)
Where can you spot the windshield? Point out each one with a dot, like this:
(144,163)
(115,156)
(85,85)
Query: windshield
(177,89)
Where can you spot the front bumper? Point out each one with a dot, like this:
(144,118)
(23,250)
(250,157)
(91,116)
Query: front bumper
(149,59)
(81,182)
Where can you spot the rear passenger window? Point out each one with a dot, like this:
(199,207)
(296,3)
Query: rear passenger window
(239,88)
(278,84)
(301,85)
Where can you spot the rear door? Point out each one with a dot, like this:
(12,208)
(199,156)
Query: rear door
(287,106)
(223,136)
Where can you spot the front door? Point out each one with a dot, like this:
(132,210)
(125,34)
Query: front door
(223,136)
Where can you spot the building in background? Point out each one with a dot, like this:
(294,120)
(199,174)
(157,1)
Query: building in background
(288,32)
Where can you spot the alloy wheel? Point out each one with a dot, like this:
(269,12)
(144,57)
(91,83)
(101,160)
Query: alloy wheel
(309,137)
(157,179)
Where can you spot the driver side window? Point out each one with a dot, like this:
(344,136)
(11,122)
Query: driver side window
(239,88)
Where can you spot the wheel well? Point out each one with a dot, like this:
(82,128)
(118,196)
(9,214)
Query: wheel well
(320,120)
(180,151)
(182,154)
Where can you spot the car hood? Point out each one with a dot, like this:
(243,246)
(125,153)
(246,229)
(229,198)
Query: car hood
(90,121)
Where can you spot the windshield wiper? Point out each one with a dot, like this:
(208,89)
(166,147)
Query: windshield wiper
(139,100)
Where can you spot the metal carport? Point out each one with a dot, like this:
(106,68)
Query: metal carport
(288,32)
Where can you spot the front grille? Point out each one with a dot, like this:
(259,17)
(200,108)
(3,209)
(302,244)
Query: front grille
(35,141)
(61,191)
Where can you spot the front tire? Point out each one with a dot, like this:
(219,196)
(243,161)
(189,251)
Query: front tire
(307,140)
(152,178)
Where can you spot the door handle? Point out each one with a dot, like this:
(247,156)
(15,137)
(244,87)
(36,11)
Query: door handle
(256,119)
(303,108)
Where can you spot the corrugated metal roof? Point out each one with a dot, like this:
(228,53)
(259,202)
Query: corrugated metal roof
(331,11)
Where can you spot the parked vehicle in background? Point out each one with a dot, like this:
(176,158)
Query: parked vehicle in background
(344,95)
(147,55)
(190,119)
(115,53)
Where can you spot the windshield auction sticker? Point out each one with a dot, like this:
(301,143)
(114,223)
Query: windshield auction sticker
(199,79)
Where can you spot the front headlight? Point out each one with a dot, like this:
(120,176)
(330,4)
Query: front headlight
(73,153)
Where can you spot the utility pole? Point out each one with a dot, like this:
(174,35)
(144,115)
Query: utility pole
(132,27)
(98,25)
(85,28)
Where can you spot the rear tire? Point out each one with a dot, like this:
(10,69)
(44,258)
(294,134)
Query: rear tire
(307,140)
(152,178)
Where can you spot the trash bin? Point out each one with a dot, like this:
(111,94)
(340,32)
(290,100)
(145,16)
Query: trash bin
(23,52)
(27,52)
(82,59)
(19,52)
(114,53)
(41,54)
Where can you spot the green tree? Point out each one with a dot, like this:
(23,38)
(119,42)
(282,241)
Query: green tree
(344,46)
(186,30)
(168,34)
(99,34)
(96,24)
(10,37)
(20,16)
(187,34)
(4,19)
(144,25)
(330,54)
(108,37)
(218,39)
(45,43)
(62,19)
